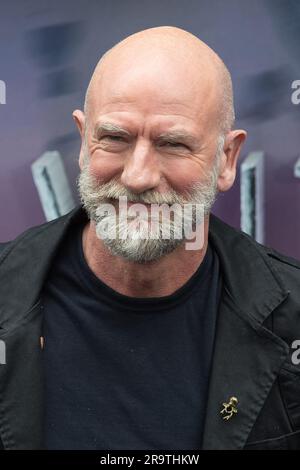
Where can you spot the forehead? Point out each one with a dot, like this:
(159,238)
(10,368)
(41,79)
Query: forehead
(164,88)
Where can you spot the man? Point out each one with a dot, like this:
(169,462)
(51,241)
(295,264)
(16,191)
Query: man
(118,337)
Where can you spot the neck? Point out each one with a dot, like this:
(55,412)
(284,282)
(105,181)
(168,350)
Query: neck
(153,279)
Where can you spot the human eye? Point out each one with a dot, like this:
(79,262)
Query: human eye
(113,138)
(174,145)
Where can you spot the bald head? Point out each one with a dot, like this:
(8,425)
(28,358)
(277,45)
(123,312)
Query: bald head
(158,108)
(168,54)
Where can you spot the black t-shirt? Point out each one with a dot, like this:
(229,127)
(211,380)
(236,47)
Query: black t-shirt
(122,372)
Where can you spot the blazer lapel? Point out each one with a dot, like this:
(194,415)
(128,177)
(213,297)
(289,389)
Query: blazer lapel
(246,361)
(247,356)
(22,273)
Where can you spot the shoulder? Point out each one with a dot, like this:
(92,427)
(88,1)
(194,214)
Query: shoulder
(283,264)
(285,268)
(3,247)
(59,224)
(285,319)
(276,259)
(6,247)
(282,259)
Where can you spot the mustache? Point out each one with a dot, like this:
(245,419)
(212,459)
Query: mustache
(114,190)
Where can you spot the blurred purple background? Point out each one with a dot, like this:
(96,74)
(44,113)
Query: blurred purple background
(48,51)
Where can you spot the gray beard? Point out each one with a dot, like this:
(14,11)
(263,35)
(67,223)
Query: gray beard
(137,247)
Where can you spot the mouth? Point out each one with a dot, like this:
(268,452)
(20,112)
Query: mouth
(116,202)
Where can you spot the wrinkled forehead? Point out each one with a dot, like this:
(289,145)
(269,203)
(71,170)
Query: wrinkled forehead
(155,81)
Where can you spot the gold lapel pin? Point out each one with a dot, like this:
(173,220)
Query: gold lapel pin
(229,409)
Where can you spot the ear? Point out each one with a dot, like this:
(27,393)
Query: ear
(228,162)
(80,121)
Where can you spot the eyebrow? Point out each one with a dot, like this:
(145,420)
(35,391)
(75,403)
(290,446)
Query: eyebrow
(102,127)
(174,136)
(177,136)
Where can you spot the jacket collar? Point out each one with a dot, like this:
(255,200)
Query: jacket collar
(247,355)
(23,269)
(250,277)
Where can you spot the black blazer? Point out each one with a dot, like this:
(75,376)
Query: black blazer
(258,321)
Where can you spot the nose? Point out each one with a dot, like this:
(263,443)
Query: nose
(141,170)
